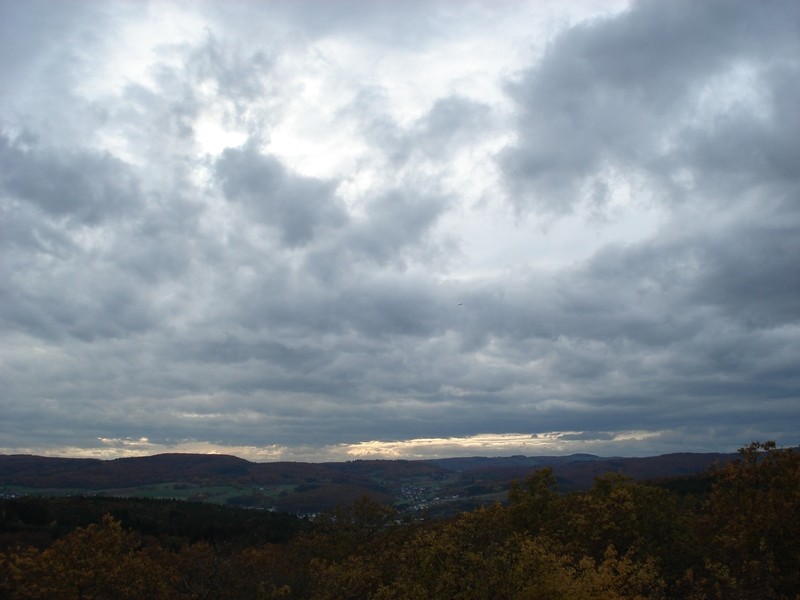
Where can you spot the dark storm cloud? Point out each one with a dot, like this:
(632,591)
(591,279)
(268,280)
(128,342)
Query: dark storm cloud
(746,149)
(382,307)
(54,201)
(704,308)
(394,222)
(295,205)
(752,275)
(393,231)
(94,308)
(83,186)
(619,90)
(233,349)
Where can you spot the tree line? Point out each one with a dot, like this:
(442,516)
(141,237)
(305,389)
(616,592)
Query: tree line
(733,534)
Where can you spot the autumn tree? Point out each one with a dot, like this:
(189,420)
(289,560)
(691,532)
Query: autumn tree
(534,503)
(98,561)
(752,520)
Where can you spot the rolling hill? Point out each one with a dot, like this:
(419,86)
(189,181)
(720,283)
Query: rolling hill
(311,487)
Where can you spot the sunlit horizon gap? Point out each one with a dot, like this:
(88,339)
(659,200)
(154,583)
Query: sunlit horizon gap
(621,443)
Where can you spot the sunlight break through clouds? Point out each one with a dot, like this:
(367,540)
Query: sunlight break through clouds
(553,443)
(562,442)
(329,230)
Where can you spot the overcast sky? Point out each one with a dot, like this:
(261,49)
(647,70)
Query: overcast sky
(341,229)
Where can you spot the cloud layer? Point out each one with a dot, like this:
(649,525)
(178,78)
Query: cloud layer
(399,229)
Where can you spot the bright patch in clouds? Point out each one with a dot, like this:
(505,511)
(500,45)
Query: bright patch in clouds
(213,136)
(552,443)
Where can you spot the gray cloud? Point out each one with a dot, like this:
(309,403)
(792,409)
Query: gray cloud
(177,264)
(237,77)
(297,206)
(627,91)
(395,220)
(84,186)
(451,123)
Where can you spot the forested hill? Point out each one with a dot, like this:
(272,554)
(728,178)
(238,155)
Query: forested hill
(576,471)
(309,487)
(735,537)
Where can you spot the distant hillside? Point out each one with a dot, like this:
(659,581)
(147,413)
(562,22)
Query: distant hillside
(578,471)
(309,487)
(206,469)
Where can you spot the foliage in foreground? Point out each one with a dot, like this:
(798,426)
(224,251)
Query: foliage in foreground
(620,540)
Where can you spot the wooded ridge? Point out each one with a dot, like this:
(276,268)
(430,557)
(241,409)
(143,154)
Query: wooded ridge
(731,532)
(440,485)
